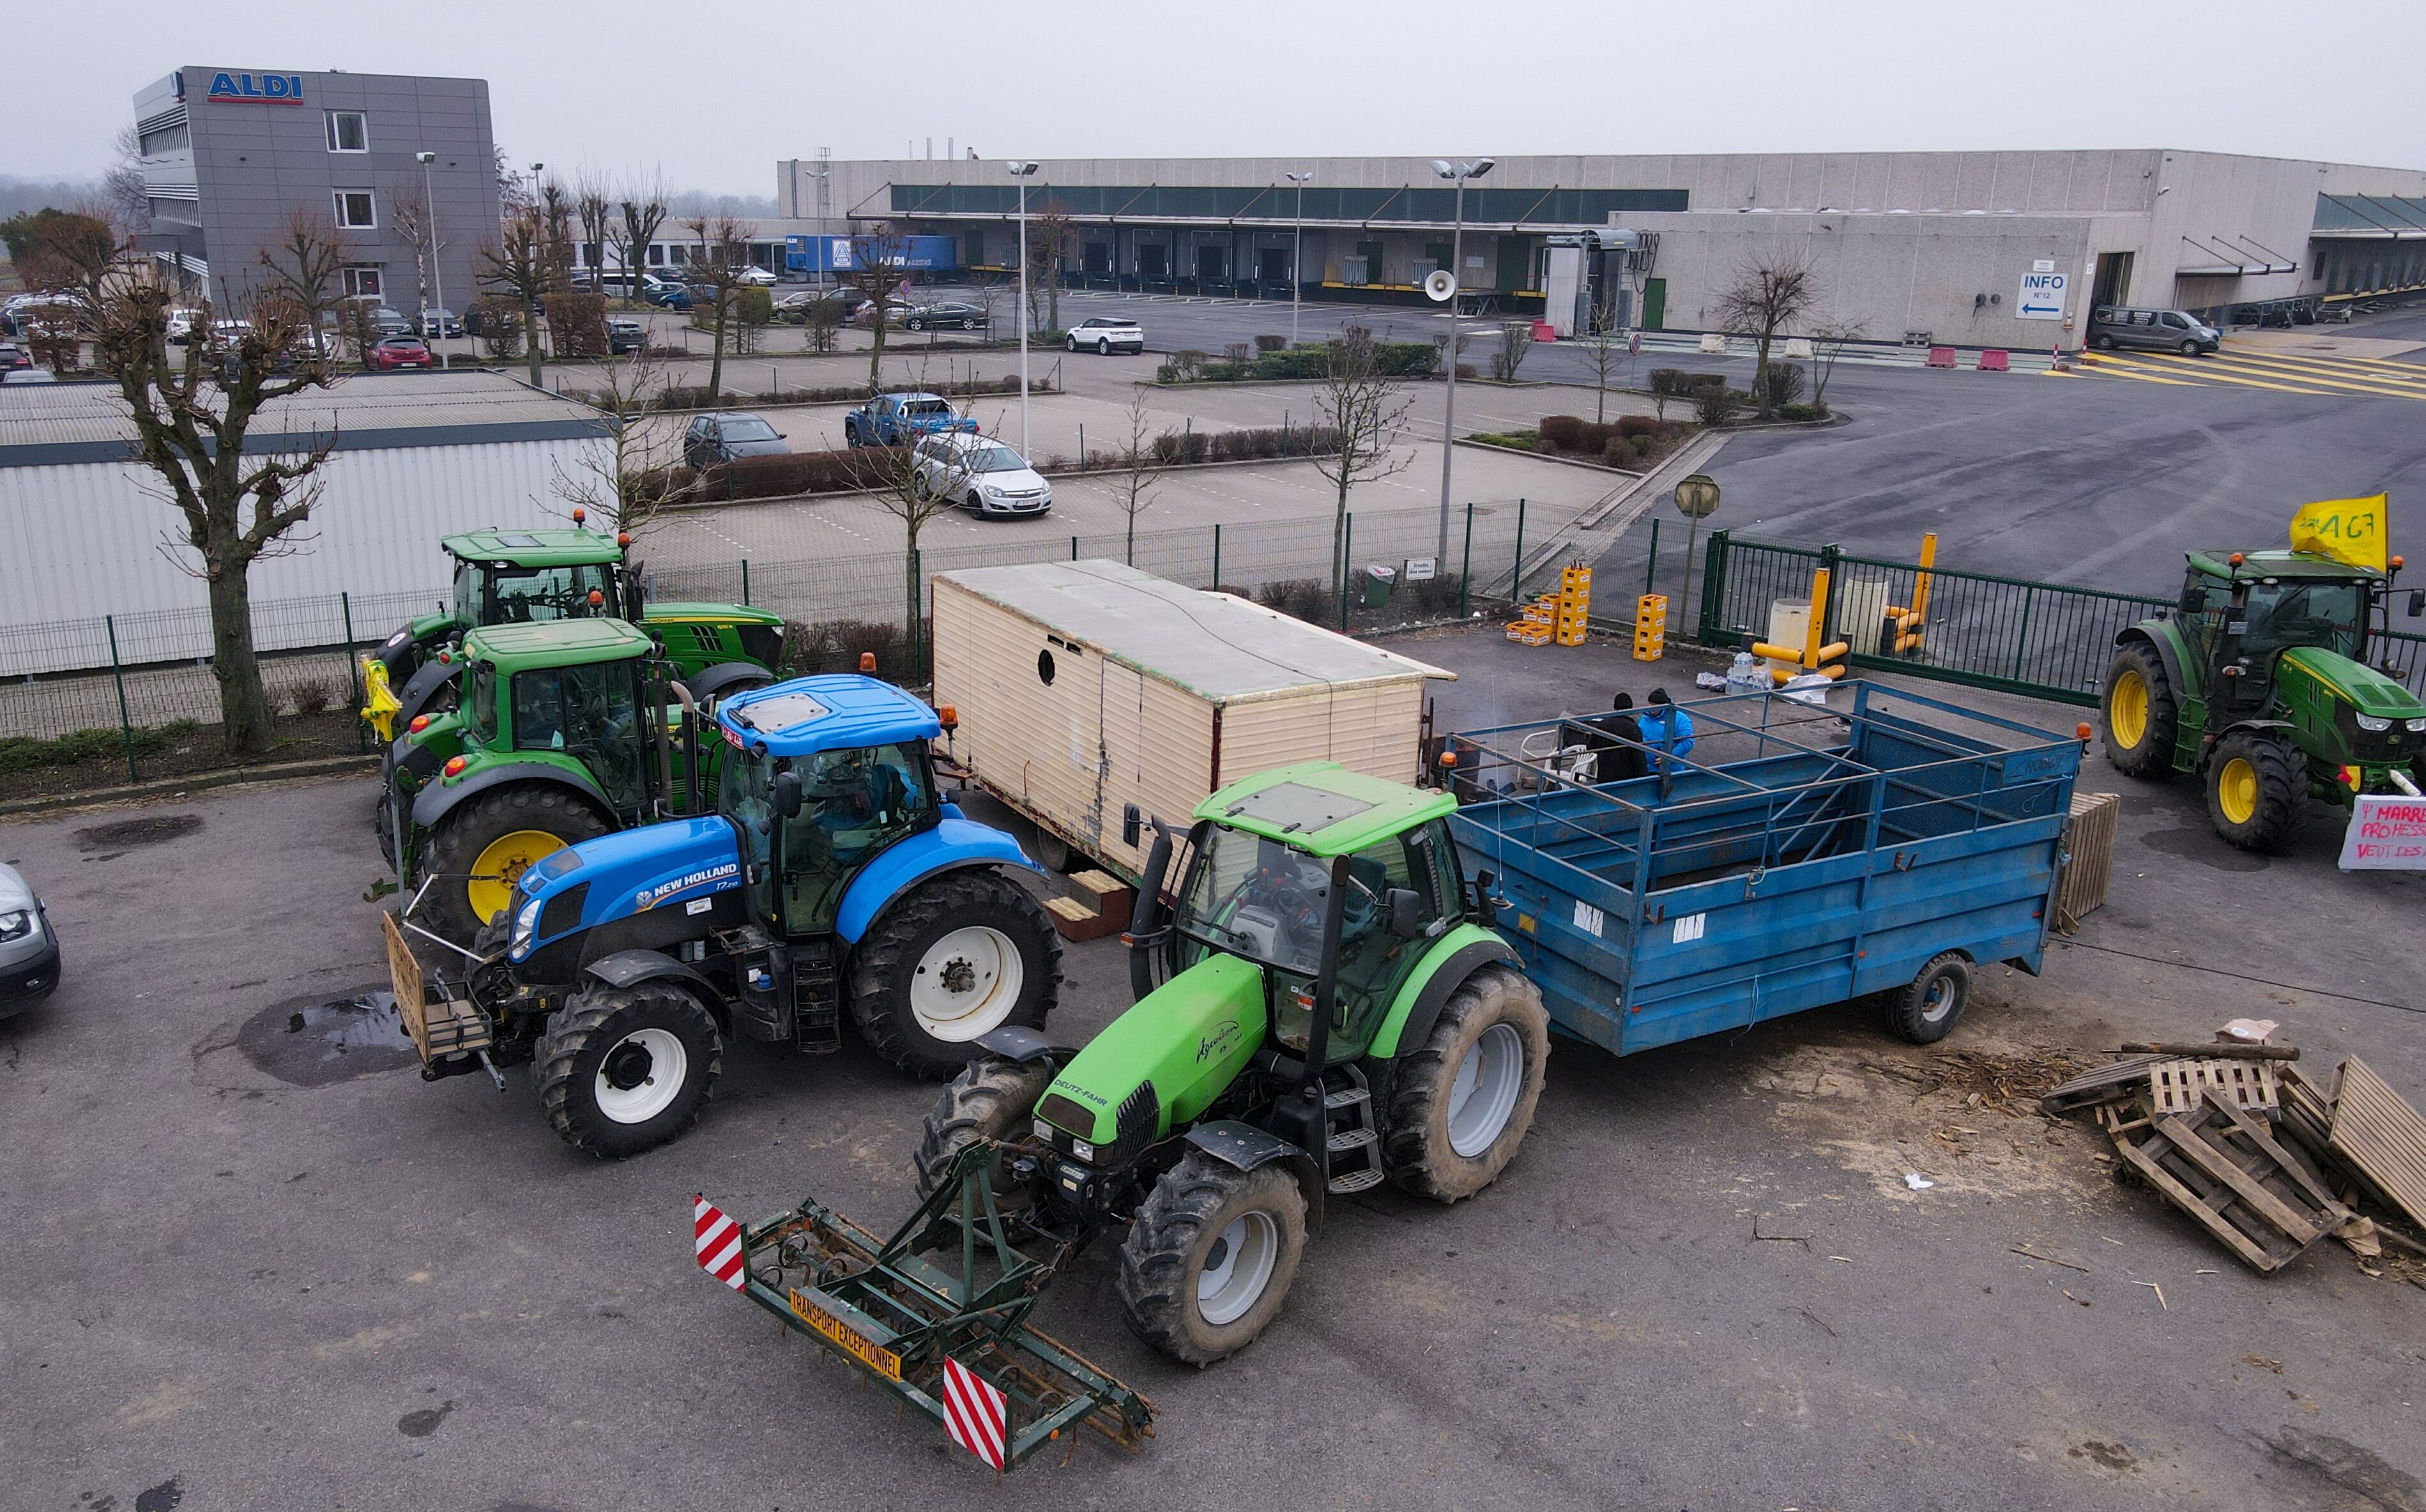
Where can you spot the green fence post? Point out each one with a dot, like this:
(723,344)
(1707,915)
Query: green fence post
(745,581)
(919,613)
(1714,588)
(118,673)
(1217,553)
(1827,612)
(353,669)
(1346,566)
(2021,642)
(1516,573)
(1650,568)
(1465,564)
(1073,548)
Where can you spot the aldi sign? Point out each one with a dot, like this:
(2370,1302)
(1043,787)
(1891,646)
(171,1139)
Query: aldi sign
(257,88)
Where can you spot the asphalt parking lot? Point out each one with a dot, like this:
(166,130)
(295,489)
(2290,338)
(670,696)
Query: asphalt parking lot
(254,1261)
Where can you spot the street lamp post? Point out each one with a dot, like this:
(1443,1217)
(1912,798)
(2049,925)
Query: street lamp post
(1022,170)
(437,274)
(1297,277)
(1459,172)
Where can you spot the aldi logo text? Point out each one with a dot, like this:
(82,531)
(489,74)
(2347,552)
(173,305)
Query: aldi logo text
(257,88)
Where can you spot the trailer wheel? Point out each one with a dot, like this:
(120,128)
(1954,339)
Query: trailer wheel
(990,1099)
(480,849)
(2253,794)
(959,957)
(1211,1256)
(1926,1009)
(1461,1104)
(2142,716)
(625,1069)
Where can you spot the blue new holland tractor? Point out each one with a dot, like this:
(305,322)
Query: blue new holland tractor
(832,876)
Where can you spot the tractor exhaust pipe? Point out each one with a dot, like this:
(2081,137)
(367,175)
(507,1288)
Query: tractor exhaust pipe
(1147,931)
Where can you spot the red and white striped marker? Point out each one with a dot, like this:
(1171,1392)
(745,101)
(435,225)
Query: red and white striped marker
(717,1239)
(975,1414)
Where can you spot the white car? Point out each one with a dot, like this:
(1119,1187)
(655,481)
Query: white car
(757,277)
(981,475)
(1105,336)
(181,324)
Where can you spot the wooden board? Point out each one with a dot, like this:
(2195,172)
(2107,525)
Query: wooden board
(2381,1136)
(2118,1082)
(2226,1170)
(2089,857)
(2178,1086)
(404,978)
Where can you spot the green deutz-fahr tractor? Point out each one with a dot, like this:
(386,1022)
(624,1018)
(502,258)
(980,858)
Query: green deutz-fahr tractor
(1325,1007)
(2258,681)
(565,730)
(538,576)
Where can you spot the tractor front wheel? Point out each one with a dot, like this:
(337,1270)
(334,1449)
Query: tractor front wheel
(959,957)
(1210,1258)
(1461,1103)
(480,849)
(2142,718)
(625,1069)
(990,1099)
(2254,791)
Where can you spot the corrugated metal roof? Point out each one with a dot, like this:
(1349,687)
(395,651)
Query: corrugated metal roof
(1219,647)
(51,424)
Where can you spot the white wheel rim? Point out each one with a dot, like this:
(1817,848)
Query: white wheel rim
(1940,1001)
(1238,1268)
(1484,1093)
(640,1076)
(967,984)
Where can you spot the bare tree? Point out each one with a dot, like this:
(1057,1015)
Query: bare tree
(720,257)
(594,207)
(1367,408)
(1142,465)
(556,231)
(409,214)
(1603,347)
(1829,340)
(517,265)
(1769,294)
(1515,340)
(643,214)
(191,416)
(306,268)
(122,188)
(630,481)
(1050,231)
(822,318)
(914,485)
(878,259)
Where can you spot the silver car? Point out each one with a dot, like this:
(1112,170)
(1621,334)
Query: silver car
(29,952)
(981,475)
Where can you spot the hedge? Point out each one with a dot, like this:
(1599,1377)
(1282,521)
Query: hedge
(1179,447)
(1679,383)
(1392,359)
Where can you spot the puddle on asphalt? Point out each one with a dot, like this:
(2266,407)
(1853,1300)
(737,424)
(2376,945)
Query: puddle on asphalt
(316,1042)
(126,834)
(2203,846)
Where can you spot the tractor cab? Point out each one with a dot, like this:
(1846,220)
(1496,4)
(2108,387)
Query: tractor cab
(2240,612)
(526,577)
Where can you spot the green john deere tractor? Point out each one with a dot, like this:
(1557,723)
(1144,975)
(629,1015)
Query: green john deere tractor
(565,730)
(537,577)
(1326,1007)
(2257,680)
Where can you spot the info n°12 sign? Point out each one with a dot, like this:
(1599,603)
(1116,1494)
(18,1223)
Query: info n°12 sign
(256,88)
(2043,294)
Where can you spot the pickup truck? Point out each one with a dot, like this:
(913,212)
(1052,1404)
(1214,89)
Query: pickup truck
(895,419)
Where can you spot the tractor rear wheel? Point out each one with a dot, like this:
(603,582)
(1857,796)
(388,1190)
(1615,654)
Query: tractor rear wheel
(959,957)
(1210,1258)
(1460,1104)
(480,849)
(1924,1010)
(990,1099)
(2142,716)
(2254,790)
(625,1069)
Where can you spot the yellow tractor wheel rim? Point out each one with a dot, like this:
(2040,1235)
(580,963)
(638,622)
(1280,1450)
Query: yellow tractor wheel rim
(2236,790)
(491,890)
(2127,713)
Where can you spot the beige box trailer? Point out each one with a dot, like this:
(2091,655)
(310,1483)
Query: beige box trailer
(1083,687)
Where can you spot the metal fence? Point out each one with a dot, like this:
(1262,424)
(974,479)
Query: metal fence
(2044,640)
(123,698)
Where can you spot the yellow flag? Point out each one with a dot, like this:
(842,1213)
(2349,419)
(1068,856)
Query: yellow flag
(2346,530)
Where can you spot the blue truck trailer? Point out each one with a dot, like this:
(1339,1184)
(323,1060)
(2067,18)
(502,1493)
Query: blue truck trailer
(1886,843)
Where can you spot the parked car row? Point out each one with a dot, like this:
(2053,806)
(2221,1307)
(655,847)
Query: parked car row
(951,459)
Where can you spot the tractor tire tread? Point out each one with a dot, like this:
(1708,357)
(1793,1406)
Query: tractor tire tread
(568,1034)
(1155,1283)
(1416,1154)
(2282,789)
(990,1099)
(464,832)
(892,945)
(2155,760)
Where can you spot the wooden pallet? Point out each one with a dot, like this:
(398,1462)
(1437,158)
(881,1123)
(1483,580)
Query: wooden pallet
(2119,1082)
(2248,1085)
(2224,1169)
(2381,1137)
(439,1027)
(2088,858)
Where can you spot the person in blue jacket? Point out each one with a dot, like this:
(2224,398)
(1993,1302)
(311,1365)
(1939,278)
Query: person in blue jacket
(1666,728)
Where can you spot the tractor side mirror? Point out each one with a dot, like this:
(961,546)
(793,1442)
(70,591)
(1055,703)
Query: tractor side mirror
(1132,824)
(787,794)
(2417,602)
(1406,908)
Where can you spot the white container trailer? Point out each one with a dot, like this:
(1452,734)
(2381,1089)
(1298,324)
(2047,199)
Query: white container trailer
(1083,687)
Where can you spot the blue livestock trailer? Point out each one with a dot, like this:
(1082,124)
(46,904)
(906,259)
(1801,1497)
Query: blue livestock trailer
(1799,856)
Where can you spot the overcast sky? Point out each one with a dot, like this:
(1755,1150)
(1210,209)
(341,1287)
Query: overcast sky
(715,104)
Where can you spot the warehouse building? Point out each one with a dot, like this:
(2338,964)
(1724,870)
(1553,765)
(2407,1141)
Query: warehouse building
(2003,248)
(86,530)
(229,155)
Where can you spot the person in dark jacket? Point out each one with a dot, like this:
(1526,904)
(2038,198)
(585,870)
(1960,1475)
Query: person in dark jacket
(1607,735)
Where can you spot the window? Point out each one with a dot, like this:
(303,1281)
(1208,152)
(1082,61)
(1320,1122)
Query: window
(657,255)
(592,711)
(854,805)
(348,132)
(363,282)
(354,211)
(165,139)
